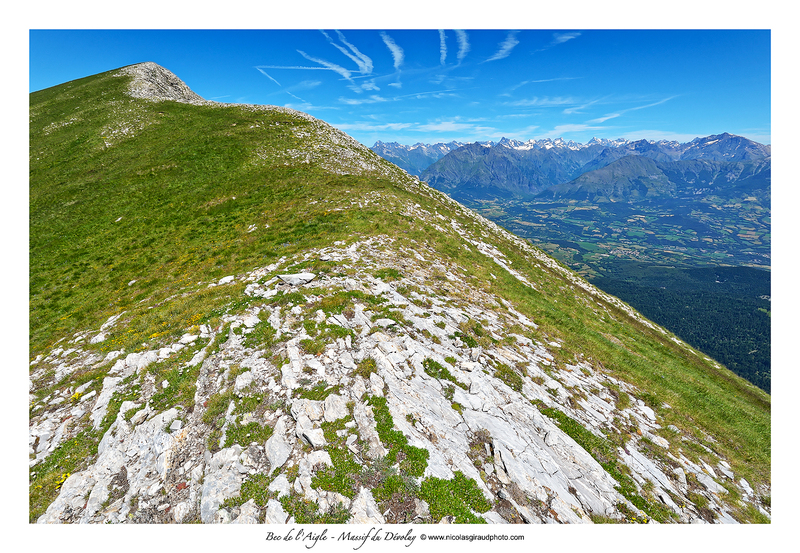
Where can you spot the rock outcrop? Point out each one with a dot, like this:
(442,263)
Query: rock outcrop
(477,411)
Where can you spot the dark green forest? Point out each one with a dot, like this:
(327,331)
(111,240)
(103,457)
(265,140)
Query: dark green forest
(722,311)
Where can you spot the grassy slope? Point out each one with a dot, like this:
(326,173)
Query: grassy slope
(173,184)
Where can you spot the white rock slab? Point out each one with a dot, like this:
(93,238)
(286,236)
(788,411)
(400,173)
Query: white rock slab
(364,509)
(297,279)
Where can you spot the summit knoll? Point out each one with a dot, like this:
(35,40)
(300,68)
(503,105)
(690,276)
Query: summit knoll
(239,314)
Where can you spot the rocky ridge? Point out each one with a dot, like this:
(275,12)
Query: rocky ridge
(332,149)
(170,466)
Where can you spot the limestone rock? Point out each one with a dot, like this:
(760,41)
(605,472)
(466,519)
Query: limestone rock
(305,430)
(335,408)
(277,448)
(281,485)
(222,481)
(180,511)
(297,279)
(243,380)
(312,409)
(364,510)
(248,513)
(523,460)
(275,513)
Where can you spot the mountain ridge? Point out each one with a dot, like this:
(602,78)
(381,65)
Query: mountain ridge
(529,168)
(416,158)
(240,314)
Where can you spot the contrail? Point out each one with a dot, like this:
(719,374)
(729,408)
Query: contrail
(397,52)
(268,76)
(506,47)
(463,45)
(328,65)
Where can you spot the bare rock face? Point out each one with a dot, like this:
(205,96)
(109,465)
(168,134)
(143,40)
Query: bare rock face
(522,462)
(153,82)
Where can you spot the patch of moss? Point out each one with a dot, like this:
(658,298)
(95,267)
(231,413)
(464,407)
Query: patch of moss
(256,487)
(467,339)
(343,475)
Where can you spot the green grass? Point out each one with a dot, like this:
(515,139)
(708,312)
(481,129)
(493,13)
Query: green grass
(388,274)
(261,336)
(509,376)
(46,478)
(342,477)
(439,371)
(456,497)
(604,451)
(306,511)
(181,380)
(319,392)
(245,434)
(413,460)
(255,487)
(322,334)
(174,197)
(366,367)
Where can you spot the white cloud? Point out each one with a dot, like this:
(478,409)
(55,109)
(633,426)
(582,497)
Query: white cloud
(328,65)
(620,112)
(463,45)
(559,38)
(544,102)
(661,135)
(370,85)
(373,127)
(397,52)
(260,67)
(505,47)
(305,85)
(578,109)
(442,47)
(374,99)
(365,63)
(651,105)
(454,126)
(561,130)
(604,118)
(307,106)
(434,93)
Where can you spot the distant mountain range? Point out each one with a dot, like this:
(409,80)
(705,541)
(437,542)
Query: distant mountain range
(633,178)
(602,169)
(414,159)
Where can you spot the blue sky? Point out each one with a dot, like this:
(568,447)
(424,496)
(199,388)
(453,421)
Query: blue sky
(439,85)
